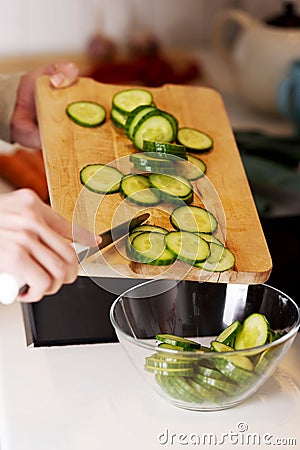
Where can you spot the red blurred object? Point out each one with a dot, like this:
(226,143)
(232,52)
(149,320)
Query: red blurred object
(148,70)
(25,169)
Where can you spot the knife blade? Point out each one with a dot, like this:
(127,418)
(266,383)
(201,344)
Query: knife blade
(10,287)
(110,236)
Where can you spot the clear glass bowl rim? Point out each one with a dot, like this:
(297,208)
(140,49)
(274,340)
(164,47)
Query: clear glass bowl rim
(154,347)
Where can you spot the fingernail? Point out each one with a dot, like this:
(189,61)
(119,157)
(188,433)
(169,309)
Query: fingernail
(57,79)
(98,239)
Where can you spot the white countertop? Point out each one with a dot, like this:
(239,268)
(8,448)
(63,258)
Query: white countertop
(91,397)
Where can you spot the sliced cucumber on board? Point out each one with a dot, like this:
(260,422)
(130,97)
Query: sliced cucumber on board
(137,189)
(153,126)
(128,99)
(187,247)
(134,116)
(150,247)
(192,169)
(219,260)
(194,140)
(86,113)
(118,119)
(194,219)
(100,178)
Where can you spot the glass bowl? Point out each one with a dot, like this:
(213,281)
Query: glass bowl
(202,380)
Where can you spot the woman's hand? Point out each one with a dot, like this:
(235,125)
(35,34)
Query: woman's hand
(32,244)
(24,127)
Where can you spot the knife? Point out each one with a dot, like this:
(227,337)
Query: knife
(10,288)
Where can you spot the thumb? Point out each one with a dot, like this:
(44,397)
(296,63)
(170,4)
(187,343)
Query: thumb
(63,74)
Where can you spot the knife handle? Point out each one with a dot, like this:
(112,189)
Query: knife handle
(10,288)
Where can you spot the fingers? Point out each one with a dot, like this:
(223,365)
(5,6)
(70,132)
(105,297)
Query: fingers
(33,263)
(33,247)
(68,230)
(24,127)
(64,74)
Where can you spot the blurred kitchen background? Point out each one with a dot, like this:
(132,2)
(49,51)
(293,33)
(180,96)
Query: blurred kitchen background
(250,56)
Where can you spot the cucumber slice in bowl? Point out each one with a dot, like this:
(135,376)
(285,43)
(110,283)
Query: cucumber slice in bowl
(137,189)
(193,219)
(253,333)
(86,113)
(178,341)
(100,178)
(187,247)
(239,369)
(228,335)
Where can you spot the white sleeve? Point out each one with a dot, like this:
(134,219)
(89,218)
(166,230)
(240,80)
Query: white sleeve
(6,148)
(8,93)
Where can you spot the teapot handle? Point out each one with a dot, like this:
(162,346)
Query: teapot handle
(288,98)
(222,27)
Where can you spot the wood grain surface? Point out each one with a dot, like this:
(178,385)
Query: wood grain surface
(224,191)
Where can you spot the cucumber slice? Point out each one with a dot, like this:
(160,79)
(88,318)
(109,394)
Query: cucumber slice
(128,99)
(225,386)
(166,385)
(219,260)
(118,119)
(187,390)
(137,189)
(153,126)
(192,169)
(210,372)
(187,247)
(169,363)
(253,333)
(143,228)
(194,140)
(217,346)
(154,169)
(183,372)
(210,238)
(235,369)
(148,163)
(164,149)
(134,117)
(172,119)
(86,113)
(228,335)
(178,341)
(100,178)
(174,186)
(150,247)
(183,391)
(204,392)
(193,219)
(138,230)
(170,346)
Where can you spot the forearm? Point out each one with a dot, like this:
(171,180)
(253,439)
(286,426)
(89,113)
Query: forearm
(8,94)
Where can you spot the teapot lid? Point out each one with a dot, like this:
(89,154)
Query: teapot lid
(287,19)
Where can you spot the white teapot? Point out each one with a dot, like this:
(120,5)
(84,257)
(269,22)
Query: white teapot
(260,53)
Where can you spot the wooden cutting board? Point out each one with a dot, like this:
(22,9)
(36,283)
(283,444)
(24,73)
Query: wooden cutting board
(225,192)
